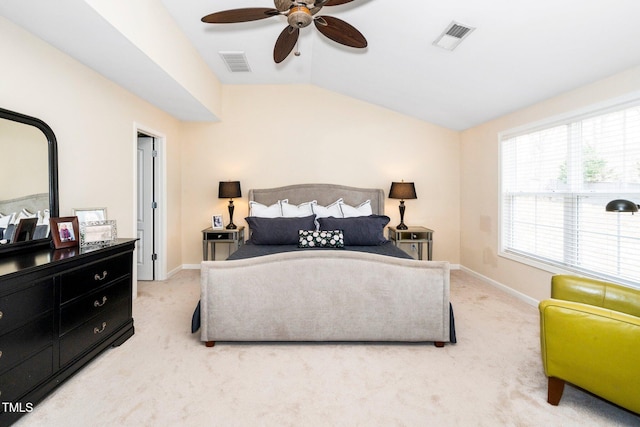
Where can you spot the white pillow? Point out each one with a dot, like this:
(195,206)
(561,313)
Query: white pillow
(43,217)
(20,215)
(264,211)
(5,220)
(293,211)
(363,209)
(326,211)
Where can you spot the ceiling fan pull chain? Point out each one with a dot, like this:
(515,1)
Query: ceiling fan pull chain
(297,52)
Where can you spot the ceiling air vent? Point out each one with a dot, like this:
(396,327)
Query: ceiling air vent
(236,61)
(453,35)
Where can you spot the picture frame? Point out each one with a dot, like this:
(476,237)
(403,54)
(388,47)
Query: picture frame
(25,229)
(216,222)
(90,214)
(98,233)
(64,231)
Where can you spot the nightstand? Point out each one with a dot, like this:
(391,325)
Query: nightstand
(223,235)
(413,235)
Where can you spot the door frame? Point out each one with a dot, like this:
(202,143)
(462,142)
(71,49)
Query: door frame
(160,223)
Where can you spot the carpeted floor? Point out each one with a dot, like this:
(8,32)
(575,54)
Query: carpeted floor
(163,375)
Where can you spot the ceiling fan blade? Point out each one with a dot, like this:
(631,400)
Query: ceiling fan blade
(285,43)
(240,15)
(336,2)
(340,32)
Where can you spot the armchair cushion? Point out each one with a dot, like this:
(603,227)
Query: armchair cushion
(590,337)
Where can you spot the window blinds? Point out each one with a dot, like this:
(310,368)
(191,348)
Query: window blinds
(555,183)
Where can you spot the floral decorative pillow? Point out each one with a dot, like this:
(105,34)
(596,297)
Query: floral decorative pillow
(320,239)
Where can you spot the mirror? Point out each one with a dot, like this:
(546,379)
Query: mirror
(29,176)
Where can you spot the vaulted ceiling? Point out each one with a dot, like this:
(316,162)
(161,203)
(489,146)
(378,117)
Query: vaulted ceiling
(520,52)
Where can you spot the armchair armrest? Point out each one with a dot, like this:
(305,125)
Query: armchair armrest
(593,348)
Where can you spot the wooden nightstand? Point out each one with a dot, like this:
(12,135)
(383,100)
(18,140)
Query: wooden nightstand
(223,235)
(413,235)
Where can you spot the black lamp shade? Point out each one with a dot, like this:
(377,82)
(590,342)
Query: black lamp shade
(402,190)
(229,190)
(620,205)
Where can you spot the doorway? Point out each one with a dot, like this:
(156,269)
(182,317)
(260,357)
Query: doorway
(146,206)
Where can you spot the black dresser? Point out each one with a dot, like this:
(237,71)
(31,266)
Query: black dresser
(59,309)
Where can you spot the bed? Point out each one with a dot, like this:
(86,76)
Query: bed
(357,286)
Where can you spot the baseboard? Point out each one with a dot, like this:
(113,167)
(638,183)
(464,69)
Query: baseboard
(522,297)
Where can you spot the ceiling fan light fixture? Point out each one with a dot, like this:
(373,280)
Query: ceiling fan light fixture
(299,17)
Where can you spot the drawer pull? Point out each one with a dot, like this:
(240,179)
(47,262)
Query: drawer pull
(100,278)
(0,353)
(97,303)
(101,330)
(1,315)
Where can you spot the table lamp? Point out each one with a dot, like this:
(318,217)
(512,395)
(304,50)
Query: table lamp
(229,190)
(402,190)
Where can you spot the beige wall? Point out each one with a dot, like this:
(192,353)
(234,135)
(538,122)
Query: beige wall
(480,186)
(25,165)
(280,135)
(93,120)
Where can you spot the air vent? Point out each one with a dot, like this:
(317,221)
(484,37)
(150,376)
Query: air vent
(453,35)
(236,61)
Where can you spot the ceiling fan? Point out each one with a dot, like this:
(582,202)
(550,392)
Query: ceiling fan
(299,13)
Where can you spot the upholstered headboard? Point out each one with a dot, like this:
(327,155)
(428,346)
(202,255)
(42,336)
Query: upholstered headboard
(32,203)
(325,194)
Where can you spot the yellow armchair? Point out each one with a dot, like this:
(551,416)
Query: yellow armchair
(590,337)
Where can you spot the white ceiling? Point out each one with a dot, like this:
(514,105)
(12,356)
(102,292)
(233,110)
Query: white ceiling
(521,52)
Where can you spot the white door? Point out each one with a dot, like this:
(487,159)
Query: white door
(145,208)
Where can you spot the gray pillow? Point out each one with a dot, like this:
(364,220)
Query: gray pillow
(278,231)
(359,230)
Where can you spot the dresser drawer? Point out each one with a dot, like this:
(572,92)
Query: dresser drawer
(86,279)
(85,336)
(23,377)
(18,308)
(79,311)
(19,344)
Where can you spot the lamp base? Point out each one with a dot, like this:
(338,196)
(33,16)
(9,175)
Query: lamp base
(401,226)
(231,226)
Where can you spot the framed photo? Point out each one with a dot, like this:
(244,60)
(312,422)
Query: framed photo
(90,214)
(25,229)
(216,222)
(64,231)
(94,233)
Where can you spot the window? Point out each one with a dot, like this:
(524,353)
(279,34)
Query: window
(555,182)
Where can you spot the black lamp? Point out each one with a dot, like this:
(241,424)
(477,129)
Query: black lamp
(229,190)
(620,205)
(402,190)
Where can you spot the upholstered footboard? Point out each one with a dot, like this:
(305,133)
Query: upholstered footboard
(325,295)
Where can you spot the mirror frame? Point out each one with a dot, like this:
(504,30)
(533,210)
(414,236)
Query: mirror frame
(53,177)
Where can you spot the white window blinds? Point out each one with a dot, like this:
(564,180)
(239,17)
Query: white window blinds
(555,183)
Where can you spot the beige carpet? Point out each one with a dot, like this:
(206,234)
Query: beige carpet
(163,376)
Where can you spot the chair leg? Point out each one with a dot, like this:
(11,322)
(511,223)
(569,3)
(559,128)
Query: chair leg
(554,390)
